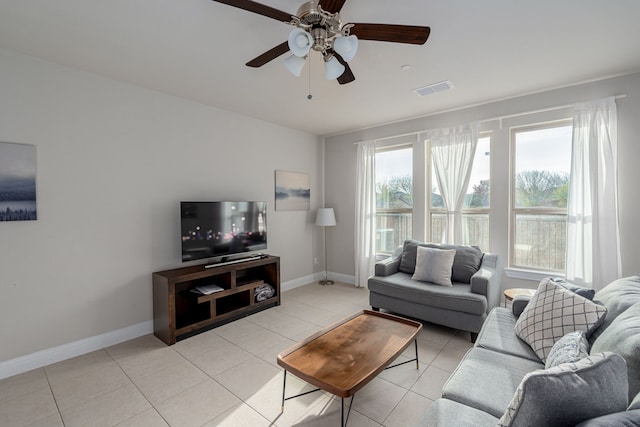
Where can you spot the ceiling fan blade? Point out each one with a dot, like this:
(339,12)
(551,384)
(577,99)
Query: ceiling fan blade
(269,55)
(332,6)
(347,76)
(410,34)
(258,8)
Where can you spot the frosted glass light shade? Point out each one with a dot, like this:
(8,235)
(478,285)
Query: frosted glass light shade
(295,64)
(333,68)
(346,46)
(299,42)
(325,217)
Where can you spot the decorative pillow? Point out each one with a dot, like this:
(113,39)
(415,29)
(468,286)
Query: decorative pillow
(465,264)
(569,393)
(570,348)
(588,293)
(434,265)
(552,313)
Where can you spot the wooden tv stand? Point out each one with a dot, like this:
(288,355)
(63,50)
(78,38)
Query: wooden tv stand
(180,313)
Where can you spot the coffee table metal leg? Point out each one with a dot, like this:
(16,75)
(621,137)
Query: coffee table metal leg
(344,422)
(408,361)
(284,386)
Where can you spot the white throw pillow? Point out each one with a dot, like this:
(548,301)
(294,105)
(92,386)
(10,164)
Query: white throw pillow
(552,313)
(570,348)
(434,265)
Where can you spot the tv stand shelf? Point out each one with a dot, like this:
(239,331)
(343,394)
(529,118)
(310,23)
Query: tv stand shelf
(178,312)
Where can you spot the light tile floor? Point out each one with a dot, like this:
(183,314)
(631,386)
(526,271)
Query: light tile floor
(228,376)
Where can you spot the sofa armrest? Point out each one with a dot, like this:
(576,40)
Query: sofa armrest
(486,281)
(519,303)
(389,266)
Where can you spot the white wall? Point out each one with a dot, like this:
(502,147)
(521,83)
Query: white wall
(114,160)
(341,160)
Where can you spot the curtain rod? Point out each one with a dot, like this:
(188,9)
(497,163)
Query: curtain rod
(497,118)
(416,133)
(542,110)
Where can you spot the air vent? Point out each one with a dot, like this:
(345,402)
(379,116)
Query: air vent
(434,87)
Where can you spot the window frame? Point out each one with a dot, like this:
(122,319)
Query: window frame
(465,211)
(395,147)
(513,210)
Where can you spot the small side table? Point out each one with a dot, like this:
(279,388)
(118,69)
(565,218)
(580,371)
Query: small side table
(510,294)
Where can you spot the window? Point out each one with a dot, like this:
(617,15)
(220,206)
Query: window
(539,190)
(394,197)
(475,214)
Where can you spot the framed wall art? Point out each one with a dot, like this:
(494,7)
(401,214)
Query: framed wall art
(293,192)
(17,182)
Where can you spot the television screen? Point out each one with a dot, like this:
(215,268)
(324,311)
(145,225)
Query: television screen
(214,229)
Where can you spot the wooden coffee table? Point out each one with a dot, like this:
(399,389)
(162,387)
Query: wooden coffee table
(344,357)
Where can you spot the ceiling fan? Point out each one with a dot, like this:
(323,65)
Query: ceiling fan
(318,26)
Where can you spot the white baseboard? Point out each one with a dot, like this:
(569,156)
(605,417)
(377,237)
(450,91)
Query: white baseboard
(46,357)
(296,283)
(316,277)
(344,278)
(22,364)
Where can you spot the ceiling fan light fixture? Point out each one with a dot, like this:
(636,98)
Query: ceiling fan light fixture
(346,46)
(332,67)
(300,42)
(295,64)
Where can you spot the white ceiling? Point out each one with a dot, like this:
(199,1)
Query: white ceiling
(196,49)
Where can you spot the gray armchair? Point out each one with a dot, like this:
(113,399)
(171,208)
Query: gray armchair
(474,292)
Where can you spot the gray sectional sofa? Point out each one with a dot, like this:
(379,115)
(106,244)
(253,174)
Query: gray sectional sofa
(503,381)
(474,291)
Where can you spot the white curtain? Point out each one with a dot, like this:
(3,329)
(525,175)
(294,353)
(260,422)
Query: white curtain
(593,236)
(452,151)
(365,220)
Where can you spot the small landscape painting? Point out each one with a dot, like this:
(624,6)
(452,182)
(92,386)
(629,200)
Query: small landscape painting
(293,191)
(17,182)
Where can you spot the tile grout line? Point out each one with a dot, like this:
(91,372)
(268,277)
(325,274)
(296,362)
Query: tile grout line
(53,395)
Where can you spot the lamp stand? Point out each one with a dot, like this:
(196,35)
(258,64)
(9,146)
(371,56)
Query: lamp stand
(326,280)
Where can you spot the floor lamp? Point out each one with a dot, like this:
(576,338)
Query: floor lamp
(325,218)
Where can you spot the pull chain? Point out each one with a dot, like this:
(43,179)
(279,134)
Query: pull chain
(309,96)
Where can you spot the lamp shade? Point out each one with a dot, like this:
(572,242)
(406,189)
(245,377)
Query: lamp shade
(300,42)
(295,64)
(346,46)
(333,68)
(325,217)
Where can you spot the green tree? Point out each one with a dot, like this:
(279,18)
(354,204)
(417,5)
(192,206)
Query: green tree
(396,193)
(480,196)
(541,188)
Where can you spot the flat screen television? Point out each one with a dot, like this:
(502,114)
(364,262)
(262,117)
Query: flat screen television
(217,229)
